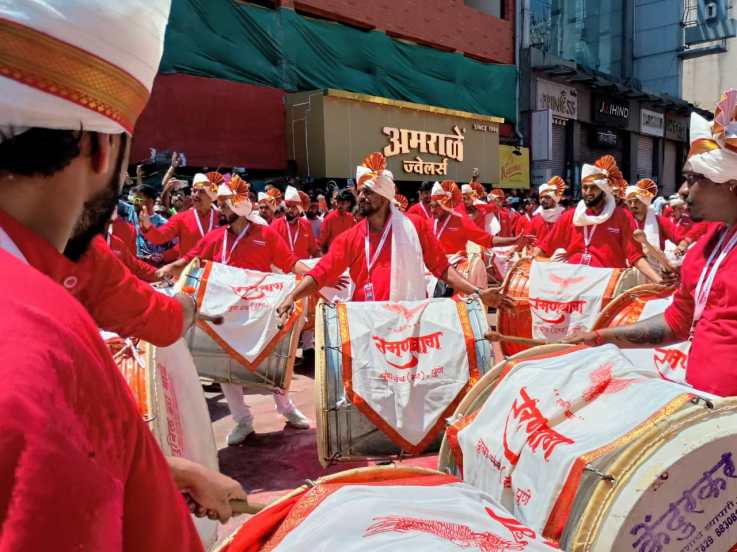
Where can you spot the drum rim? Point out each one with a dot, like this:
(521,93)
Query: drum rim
(320,390)
(616,305)
(634,456)
(472,402)
(503,312)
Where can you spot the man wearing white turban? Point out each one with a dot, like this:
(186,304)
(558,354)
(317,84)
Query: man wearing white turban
(545,217)
(597,232)
(704,308)
(387,252)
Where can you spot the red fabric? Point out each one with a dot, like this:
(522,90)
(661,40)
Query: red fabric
(539,228)
(117,300)
(184,227)
(523,224)
(480,214)
(260,248)
(79,468)
(459,231)
(419,211)
(126,232)
(712,361)
(212,133)
(348,252)
(612,244)
(141,270)
(305,246)
(667,211)
(333,226)
(666,228)
(684,224)
(698,230)
(506,222)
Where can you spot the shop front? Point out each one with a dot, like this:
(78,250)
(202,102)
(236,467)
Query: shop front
(330,132)
(562,102)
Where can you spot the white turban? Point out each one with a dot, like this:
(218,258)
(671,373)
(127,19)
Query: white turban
(86,64)
(708,156)
(466,189)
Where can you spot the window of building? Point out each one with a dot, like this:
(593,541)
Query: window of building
(490,7)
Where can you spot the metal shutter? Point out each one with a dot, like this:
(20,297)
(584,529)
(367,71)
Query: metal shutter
(645,157)
(670,158)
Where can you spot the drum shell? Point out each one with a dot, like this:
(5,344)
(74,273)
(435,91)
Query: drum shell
(517,321)
(344,434)
(275,372)
(594,513)
(627,307)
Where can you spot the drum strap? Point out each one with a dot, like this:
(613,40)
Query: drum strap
(708,274)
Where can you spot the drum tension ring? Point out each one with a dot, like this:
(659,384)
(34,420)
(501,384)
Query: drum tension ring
(709,404)
(600,474)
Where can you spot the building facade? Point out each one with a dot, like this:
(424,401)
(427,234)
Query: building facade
(231,69)
(584,68)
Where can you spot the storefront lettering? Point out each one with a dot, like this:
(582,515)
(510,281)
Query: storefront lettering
(559,105)
(614,110)
(418,166)
(403,141)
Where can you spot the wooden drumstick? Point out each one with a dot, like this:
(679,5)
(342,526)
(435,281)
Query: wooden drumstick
(245,507)
(653,251)
(496,336)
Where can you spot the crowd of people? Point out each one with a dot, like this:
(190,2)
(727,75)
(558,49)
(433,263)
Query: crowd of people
(80,469)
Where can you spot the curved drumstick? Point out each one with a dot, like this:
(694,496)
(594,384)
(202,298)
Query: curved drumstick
(496,336)
(245,507)
(653,251)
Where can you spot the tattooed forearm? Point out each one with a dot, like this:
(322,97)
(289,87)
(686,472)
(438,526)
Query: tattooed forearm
(647,333)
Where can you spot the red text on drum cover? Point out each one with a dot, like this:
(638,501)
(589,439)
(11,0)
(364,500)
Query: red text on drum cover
(420,345)
(669,360)
(257,291)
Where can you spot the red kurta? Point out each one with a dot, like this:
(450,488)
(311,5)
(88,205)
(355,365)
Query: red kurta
(712,361)
(419,210)
(79,468)
(522,226)
(117,300)
(142,270)
(333,226)
(259,248)
(612,244)
(127,233)
(666,230)
(684,224)
(183,226)
(479,215)
(698,230)
(458,231)
(303,241)
(539,228)
(506,222)
(348,252)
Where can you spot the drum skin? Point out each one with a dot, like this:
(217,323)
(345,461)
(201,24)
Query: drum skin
(344,434)
(628,306)
(517,321)
(639,479)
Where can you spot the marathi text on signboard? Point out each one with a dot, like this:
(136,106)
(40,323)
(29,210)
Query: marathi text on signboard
(652,123)
(403,141)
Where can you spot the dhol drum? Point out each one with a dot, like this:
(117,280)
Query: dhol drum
(470,266)
(598,455)
(345,433)
(367,509)
(517,321)
(640,303)
(219,362)
(167,390)
(500,261)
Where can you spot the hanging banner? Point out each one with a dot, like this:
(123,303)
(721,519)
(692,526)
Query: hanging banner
(566,298)
(547,420)
(514,167)
(405,365)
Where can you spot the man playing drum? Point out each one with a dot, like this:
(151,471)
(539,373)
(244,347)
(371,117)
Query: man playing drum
(386,253)
(80,468)
(657,228)
(422,207)
(545,217)
(245,241)
(294,228)
(597,233)
(704,308)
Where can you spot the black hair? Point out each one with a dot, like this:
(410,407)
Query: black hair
(427,186)
(146,191)
(345,195)
(39,151)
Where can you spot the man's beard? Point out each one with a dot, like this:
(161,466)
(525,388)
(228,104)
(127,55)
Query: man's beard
(224,219)
(291,217)
(97,211)
(311,215)
(365,209)
(593,203)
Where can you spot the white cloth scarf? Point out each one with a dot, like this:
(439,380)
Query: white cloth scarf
(407,281)
(582,218)
(651,228)
(550,215)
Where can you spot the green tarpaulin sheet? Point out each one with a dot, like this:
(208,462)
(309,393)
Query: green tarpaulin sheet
(280,48)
